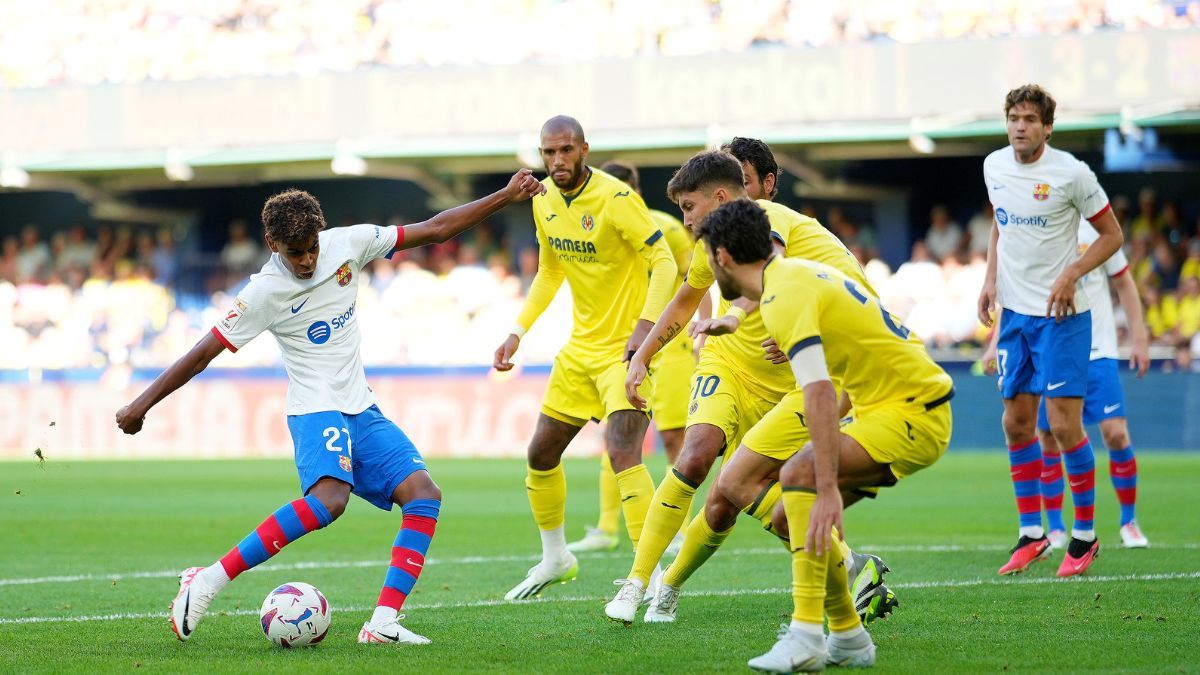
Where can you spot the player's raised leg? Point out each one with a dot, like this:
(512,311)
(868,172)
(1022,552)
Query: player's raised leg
(546,486)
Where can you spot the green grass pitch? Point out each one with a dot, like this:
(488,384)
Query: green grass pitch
(89,553)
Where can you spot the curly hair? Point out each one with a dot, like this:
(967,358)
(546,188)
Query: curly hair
(705,170)
(758,155)
(292,216)
(742,228)
(1034,95)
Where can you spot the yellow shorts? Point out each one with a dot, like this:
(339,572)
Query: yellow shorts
(907,436)
(583,389)
(672,368)
(782,432)
(720,397)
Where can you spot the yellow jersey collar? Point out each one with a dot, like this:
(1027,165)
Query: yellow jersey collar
(569,197)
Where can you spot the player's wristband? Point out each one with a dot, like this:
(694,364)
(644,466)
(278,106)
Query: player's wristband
(518,330)
(737,313)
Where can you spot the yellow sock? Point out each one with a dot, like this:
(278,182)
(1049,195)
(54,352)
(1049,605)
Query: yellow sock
(808,570)
(547,496)
(839,605)
(686,516)
(764,506)
(699,544)
(637,488)
(662,522)
(610,497)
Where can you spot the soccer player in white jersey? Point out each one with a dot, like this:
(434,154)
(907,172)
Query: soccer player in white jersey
(305,296)
(1039,194)
(1104,403)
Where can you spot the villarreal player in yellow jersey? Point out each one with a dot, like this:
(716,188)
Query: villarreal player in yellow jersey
(832,329)
(733,388)
(672,370)
(595,233)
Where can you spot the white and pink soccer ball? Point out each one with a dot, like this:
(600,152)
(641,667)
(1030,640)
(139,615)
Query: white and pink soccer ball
(295,614)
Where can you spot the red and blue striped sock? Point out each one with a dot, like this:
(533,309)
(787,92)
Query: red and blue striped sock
(281,528)
(1122,467)
(1026,468)
(1081,472)
(1052,490)
(408,551)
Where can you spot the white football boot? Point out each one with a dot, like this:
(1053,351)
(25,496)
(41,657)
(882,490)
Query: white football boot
(542,575)
(1132,537)
(796,651)
(663,605)
(675,545)
(389,632)
(190,603)
(594,539)
(855,652)
(1058,539)
(625,605)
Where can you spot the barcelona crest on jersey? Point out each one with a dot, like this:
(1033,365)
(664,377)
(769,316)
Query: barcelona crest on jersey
(1041,192)
(343,274)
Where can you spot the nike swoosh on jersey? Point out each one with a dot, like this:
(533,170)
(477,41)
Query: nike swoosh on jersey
(997,187)
(297,308)
(1110,408)
(1056,385)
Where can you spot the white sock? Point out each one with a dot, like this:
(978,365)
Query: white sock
(1085,535)
(1032,531)
(809,628)
(554,544)
(854,638)
(214,576)
(383,615)
(848,634)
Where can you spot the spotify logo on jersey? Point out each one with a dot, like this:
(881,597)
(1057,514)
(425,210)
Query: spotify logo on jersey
(318,333)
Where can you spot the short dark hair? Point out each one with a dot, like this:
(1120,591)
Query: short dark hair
(758,155)
(706,169)
(292,216)
(1034,95)
(740,227)
(560,123)
(623,171)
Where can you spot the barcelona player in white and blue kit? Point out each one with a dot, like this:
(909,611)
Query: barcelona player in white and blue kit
(1039,195)
(305,296)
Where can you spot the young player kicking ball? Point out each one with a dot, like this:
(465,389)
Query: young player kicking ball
(305,296)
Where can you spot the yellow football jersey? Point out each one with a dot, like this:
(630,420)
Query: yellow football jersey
(602,240)
(874,358)
(801,237)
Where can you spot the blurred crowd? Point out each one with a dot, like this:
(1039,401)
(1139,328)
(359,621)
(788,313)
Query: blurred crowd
(77,301)
(118,41)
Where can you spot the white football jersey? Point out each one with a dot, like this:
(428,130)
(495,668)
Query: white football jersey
(1038,207)
(313,320)
(1104,326)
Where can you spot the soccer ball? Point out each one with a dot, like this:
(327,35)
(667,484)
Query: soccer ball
(294,615)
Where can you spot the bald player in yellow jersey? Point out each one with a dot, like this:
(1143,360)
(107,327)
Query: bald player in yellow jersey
(672,371)
(733,388)
(833,329)
(595,233)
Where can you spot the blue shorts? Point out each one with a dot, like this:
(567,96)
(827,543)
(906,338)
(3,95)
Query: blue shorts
(1037,355)
(366,450)
(1105,398)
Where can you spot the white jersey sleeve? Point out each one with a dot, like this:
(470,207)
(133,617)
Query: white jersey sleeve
(252,313)
(1104,327)
(1086,194)
(373,241)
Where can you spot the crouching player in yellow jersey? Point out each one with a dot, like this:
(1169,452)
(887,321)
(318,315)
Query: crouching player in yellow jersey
(833,330)
(733,387)
(672,377)
(595,232)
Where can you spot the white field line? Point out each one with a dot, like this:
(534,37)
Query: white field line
(484,560)
(726,593)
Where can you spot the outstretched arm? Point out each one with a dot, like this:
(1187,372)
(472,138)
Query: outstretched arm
(453,222)
(131,417)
